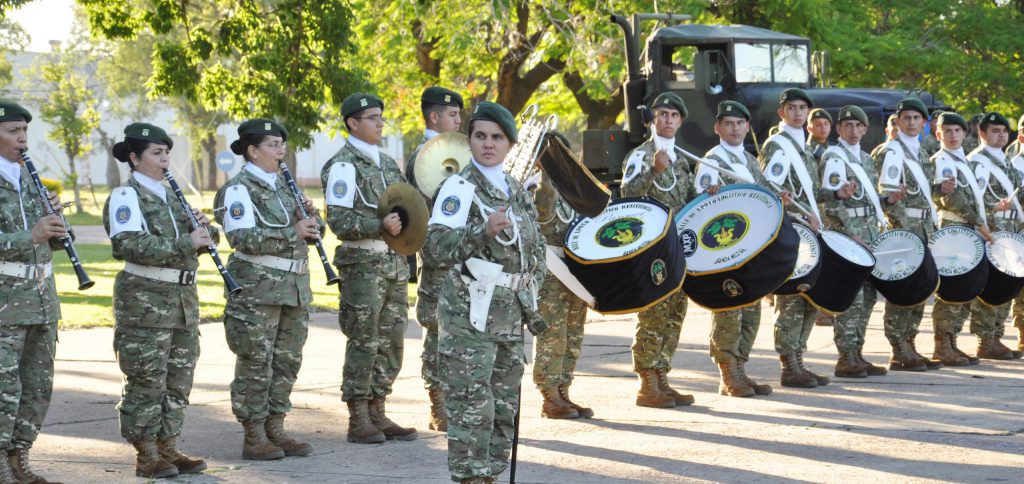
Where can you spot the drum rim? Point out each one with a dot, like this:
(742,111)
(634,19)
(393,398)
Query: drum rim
(874,261)
(816,240)
(669,223)
(775,233)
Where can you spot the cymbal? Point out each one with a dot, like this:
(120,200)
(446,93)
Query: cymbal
(406,201)
(441,157)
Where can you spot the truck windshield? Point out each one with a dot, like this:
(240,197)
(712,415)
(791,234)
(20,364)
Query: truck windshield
(771,63)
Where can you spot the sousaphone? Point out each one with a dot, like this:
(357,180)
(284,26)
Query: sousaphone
(439,158)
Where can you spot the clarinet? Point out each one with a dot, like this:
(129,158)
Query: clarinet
(83,279)
(229,281)
(332,278)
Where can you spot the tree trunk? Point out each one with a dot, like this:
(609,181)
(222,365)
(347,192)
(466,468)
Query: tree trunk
(113,170)
(74,183)
(210,149)
(600,114)
(289,159)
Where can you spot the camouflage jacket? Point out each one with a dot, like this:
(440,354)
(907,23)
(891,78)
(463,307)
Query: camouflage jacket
(994,190)
(361,222)
(961,201)
(771,146)
(915,197)
(25,301)
(410,167)
(554,213)
(815,148)
(836,215)
(639,180)
(748,160)
(165,242)
(274,234)
(509,309)
(930,145)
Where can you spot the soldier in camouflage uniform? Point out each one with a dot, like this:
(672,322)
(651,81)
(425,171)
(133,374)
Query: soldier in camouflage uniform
(819,126)
(442,113)
(485,224)
(1012,151)
(655,169)
(854,210)
(557,349)
(795,316)
(267,322)
(156,305)
(971,138)
(733,332)
(987,322)
(374,279)
(915,212)
(28,320)
(929,141)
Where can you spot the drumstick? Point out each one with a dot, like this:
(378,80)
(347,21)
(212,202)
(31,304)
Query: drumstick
(792,201)
(729,173)
(894,251)
(687,154)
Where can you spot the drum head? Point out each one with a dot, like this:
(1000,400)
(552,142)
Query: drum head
(898,253)
(957,250)
(1007,253)
(848,248)
(725,231)
(809,254)
(621,229)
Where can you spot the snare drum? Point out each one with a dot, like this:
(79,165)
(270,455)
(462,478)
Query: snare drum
(959,253)
(808,263)
(905,272)
(628,256)
(739,246)
(1005,269)
(845,265)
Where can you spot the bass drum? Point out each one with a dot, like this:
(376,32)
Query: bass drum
(959,254)
(845,265)
(627,257)
(739,246)
(808,263)
(1005,269)
(905,272)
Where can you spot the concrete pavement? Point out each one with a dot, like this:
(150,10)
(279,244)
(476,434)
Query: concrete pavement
(951,425)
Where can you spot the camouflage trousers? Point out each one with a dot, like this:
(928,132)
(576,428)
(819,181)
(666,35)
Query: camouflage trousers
(901,322)
(1018,311)
(657,333)
(158,365)
(267,341)
(428,289)
(949,318)
(557,349)
(26,381)
(482,382)
(850,327)
(989,322)
(794,319)
(373,317)
(733,333)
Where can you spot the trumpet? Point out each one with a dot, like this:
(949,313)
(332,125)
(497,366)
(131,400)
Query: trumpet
(83,279)
(229,281)
(332,278)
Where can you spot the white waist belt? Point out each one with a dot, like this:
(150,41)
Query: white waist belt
(917,212)
(297,266)
(164,274)
(952,217)
(35,272)
(375,245)
(1007,214)
(860,211)
(515,282)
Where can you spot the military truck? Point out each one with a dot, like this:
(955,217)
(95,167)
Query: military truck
(707,64)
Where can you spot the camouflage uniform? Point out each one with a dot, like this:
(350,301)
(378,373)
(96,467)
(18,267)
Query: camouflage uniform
(657,333)
(483,370)
(267,322)
(930,144)
(900,322)
(28,320)
(1012,150)
(374,302)
(815,148)
(156,323)
(558,348)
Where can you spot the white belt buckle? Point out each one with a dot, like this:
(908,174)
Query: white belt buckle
(298,266)
(187,278)
(34,272)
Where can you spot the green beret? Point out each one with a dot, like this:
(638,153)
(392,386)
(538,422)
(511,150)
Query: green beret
(12,111)
(148,132)
(795,94)
(359,102)
(851,112)
(936,113)
(952,118)
(994,118)
(911,103)
(734,109)
(496,113)
(670,100)
(263,126)
(442,96)
(818,113)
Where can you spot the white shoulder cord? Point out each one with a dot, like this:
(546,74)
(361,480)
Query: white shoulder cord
(360,192)
(174,223)
(287,218)
(855,196)
(511,217)
(671,169)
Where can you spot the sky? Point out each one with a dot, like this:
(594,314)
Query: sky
(44,20)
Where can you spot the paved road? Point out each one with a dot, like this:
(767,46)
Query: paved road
(956,425)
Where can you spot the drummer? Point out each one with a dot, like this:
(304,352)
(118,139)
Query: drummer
(1012,151)
(787,165)
(655,169)
(915,212)
(987,322)
(732,332)
(854,210)
(963,206)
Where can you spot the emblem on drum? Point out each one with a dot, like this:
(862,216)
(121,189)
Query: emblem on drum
(723,231)
(731,288)
(620,232)
(658,272)
(803,287)
(894,172)
(237,210)
(123,213)
(688,240)
(340,189)
(450,205)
